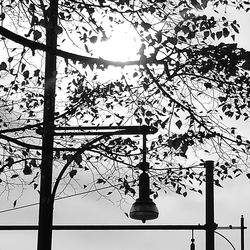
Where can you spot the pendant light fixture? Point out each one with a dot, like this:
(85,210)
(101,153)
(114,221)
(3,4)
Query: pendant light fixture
(144,208)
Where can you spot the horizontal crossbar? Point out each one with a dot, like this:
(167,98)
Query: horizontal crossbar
(107,227)
(116,227)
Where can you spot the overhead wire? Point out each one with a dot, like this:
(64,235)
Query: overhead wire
(224,237)
(58,198)
(76,194)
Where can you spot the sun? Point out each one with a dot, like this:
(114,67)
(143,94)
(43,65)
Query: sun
(123,45)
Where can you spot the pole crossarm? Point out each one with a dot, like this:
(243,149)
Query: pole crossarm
(102,130)
(106,227)
(230,228)
(116,227)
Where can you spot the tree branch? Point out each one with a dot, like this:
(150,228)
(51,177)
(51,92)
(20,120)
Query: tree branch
(20,143)
(67,55)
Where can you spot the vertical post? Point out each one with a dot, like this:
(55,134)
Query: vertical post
(210,225)
(242,228)
(144,147)
(46,203)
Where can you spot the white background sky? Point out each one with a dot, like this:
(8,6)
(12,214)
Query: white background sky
(231,202)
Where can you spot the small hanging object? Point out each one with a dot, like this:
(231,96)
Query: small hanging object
(192,245)
(144,208)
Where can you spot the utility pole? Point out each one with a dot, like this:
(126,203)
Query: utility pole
(210,225)
(46,204)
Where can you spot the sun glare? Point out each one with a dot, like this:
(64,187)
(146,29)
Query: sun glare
(123,45)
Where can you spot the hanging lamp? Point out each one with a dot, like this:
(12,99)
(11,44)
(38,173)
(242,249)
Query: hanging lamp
(144,208)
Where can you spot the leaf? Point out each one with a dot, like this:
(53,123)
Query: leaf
(72,173)
(26,74)
(99,181)
(78,159)
(58,30)
(86,48)
(36,72)
(132,191)
(93,39)
(37,35)
(246,64)
(14,203)
(146,26)
(225,32)
(219,34)
(184,12)
(172,40)
(217,183)
(208,85)
(178,190)
(196,4)
(184,148)
(178,124)
(3,66)
(149,113)
(204,3)
(158,36)
(176,143)
(155,195)
(27,170)
(23,67)
(14,176)
(2,16)
(10,161)
(10,59)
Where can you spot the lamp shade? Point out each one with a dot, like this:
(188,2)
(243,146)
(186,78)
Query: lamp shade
(144,208)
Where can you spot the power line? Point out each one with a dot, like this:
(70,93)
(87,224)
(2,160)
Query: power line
(77,194)
(59,198)
(224,237)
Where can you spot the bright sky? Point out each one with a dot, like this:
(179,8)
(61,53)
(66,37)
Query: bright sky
(230,203)
(122,46)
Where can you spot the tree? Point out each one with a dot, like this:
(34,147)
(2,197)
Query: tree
(188,83)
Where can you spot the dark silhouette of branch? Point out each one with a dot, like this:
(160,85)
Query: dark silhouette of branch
(67,55)
(20,143)
(84,147)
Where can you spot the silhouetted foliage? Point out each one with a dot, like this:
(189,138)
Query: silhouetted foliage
(190,81)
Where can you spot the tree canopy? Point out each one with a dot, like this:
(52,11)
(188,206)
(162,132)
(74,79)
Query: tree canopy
(190,81)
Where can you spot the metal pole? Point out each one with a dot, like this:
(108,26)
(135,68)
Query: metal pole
(46,203)
(144,148)
(210,225)
(242,228)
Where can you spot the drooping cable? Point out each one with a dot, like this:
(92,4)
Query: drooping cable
(224,237)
